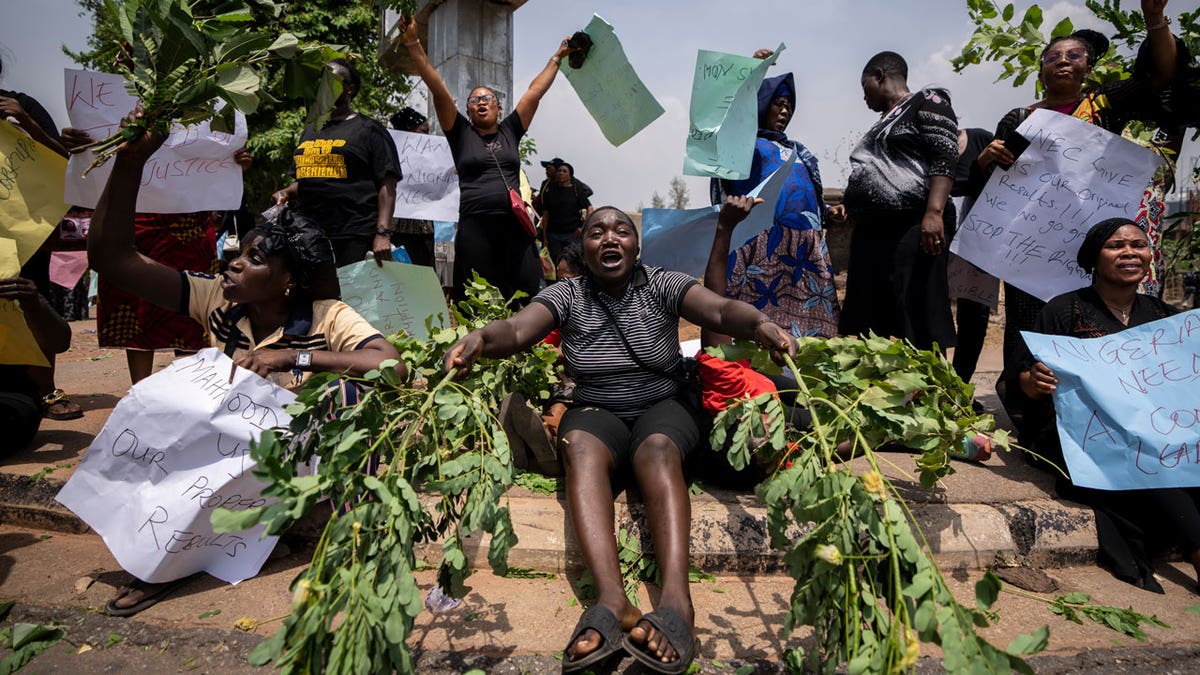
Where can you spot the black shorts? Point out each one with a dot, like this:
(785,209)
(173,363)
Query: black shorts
(671,417)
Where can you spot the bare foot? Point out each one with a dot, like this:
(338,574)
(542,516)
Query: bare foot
(590,640)
(129,596)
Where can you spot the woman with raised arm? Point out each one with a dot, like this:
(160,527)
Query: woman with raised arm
(620,337)
(273,311)
(1131,525)
(490,239)
(1066,63)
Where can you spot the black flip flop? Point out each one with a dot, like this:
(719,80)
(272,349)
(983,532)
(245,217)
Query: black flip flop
(149,601)
(581,42)
(671,624)
(603,621)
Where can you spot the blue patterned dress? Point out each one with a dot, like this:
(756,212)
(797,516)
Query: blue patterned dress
(785,270)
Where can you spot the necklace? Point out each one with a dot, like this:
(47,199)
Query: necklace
(1123,313)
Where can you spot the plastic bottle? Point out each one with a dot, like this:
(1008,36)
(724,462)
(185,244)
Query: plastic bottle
(973,449)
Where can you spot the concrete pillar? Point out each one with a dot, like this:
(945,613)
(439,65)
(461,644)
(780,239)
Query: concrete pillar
(469,42)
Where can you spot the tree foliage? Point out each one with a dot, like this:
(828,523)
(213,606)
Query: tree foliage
(677,193)
(1016,43)
(275,125)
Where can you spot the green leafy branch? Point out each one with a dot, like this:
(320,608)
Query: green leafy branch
(180,57)
(353,608)
(864,582)
(1077,606)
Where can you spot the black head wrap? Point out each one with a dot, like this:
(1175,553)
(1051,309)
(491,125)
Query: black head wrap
(305,251)
(1089,250)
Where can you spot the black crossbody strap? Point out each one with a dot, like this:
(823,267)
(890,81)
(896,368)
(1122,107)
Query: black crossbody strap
(674,377)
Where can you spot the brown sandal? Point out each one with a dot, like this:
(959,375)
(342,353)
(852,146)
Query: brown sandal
(58,406)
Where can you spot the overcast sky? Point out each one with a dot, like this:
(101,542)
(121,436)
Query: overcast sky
(827,45)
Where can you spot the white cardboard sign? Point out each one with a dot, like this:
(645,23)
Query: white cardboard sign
(1029,221)
(193,170)
(175,449)
(429,189)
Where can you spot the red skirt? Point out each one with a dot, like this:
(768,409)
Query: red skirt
(182,241)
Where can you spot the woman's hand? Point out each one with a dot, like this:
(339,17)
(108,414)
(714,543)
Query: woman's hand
(75,138)
(734,210)
(18,289)
(243,158)
(932,233)
(381,248)
(836,214)
(995,153)
(1152,11)
(564,48)
(140,147)
(266,361)
(10,107)
(463,353)
(771,336)
(1042,380)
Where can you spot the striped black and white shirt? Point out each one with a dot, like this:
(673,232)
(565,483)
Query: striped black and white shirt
(647,315)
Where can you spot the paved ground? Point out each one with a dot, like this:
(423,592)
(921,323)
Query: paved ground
(1001,512)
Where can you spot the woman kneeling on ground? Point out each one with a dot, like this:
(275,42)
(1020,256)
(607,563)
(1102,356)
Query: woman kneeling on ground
(620,338)
(1129,523)
(274,311)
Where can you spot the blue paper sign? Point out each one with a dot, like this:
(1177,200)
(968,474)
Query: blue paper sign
(681,239)
(1128,404)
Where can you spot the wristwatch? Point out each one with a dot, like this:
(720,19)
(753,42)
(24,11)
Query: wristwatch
(383,233)
(303,359)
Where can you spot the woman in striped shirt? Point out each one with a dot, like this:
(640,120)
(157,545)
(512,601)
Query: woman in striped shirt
(620,338)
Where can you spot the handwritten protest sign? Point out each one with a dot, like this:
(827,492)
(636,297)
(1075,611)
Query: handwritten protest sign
(393,297)
(681,239)
(609,88)
(17,344)
(1029,221)
(429,189)
(724,114)
(174,450)
(31,180)
(1128,413)
(971,283)
(193,170)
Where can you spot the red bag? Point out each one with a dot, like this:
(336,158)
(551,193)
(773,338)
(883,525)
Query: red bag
(522,211)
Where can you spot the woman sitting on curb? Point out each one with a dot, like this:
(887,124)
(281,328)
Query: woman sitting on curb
(273,311)
(620,337)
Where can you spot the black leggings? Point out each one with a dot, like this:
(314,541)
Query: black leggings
(498,249)
(20,417)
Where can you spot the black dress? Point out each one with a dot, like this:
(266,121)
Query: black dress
(1130,524)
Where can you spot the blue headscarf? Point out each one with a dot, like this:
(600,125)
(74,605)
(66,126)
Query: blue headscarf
(771,89)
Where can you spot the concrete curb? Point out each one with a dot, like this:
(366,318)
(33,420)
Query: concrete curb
(729,530)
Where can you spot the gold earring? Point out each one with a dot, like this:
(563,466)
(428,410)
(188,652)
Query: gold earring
(287,292)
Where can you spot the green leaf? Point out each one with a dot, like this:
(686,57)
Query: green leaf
(239,84)
(226,520)
(1062,28)
(285,45)
(1007,13)
(209,614)
(1030,643)
(987,590)
(1194,610)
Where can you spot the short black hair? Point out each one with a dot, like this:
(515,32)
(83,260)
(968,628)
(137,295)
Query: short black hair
(572,253)
(890,63)
(1093,42)
(355,78)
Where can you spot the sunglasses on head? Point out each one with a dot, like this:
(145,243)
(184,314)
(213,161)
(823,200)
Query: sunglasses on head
(1072,55)
(482,98)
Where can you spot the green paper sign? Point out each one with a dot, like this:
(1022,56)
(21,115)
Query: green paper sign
(393,297)
(609,88)
(724,114)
